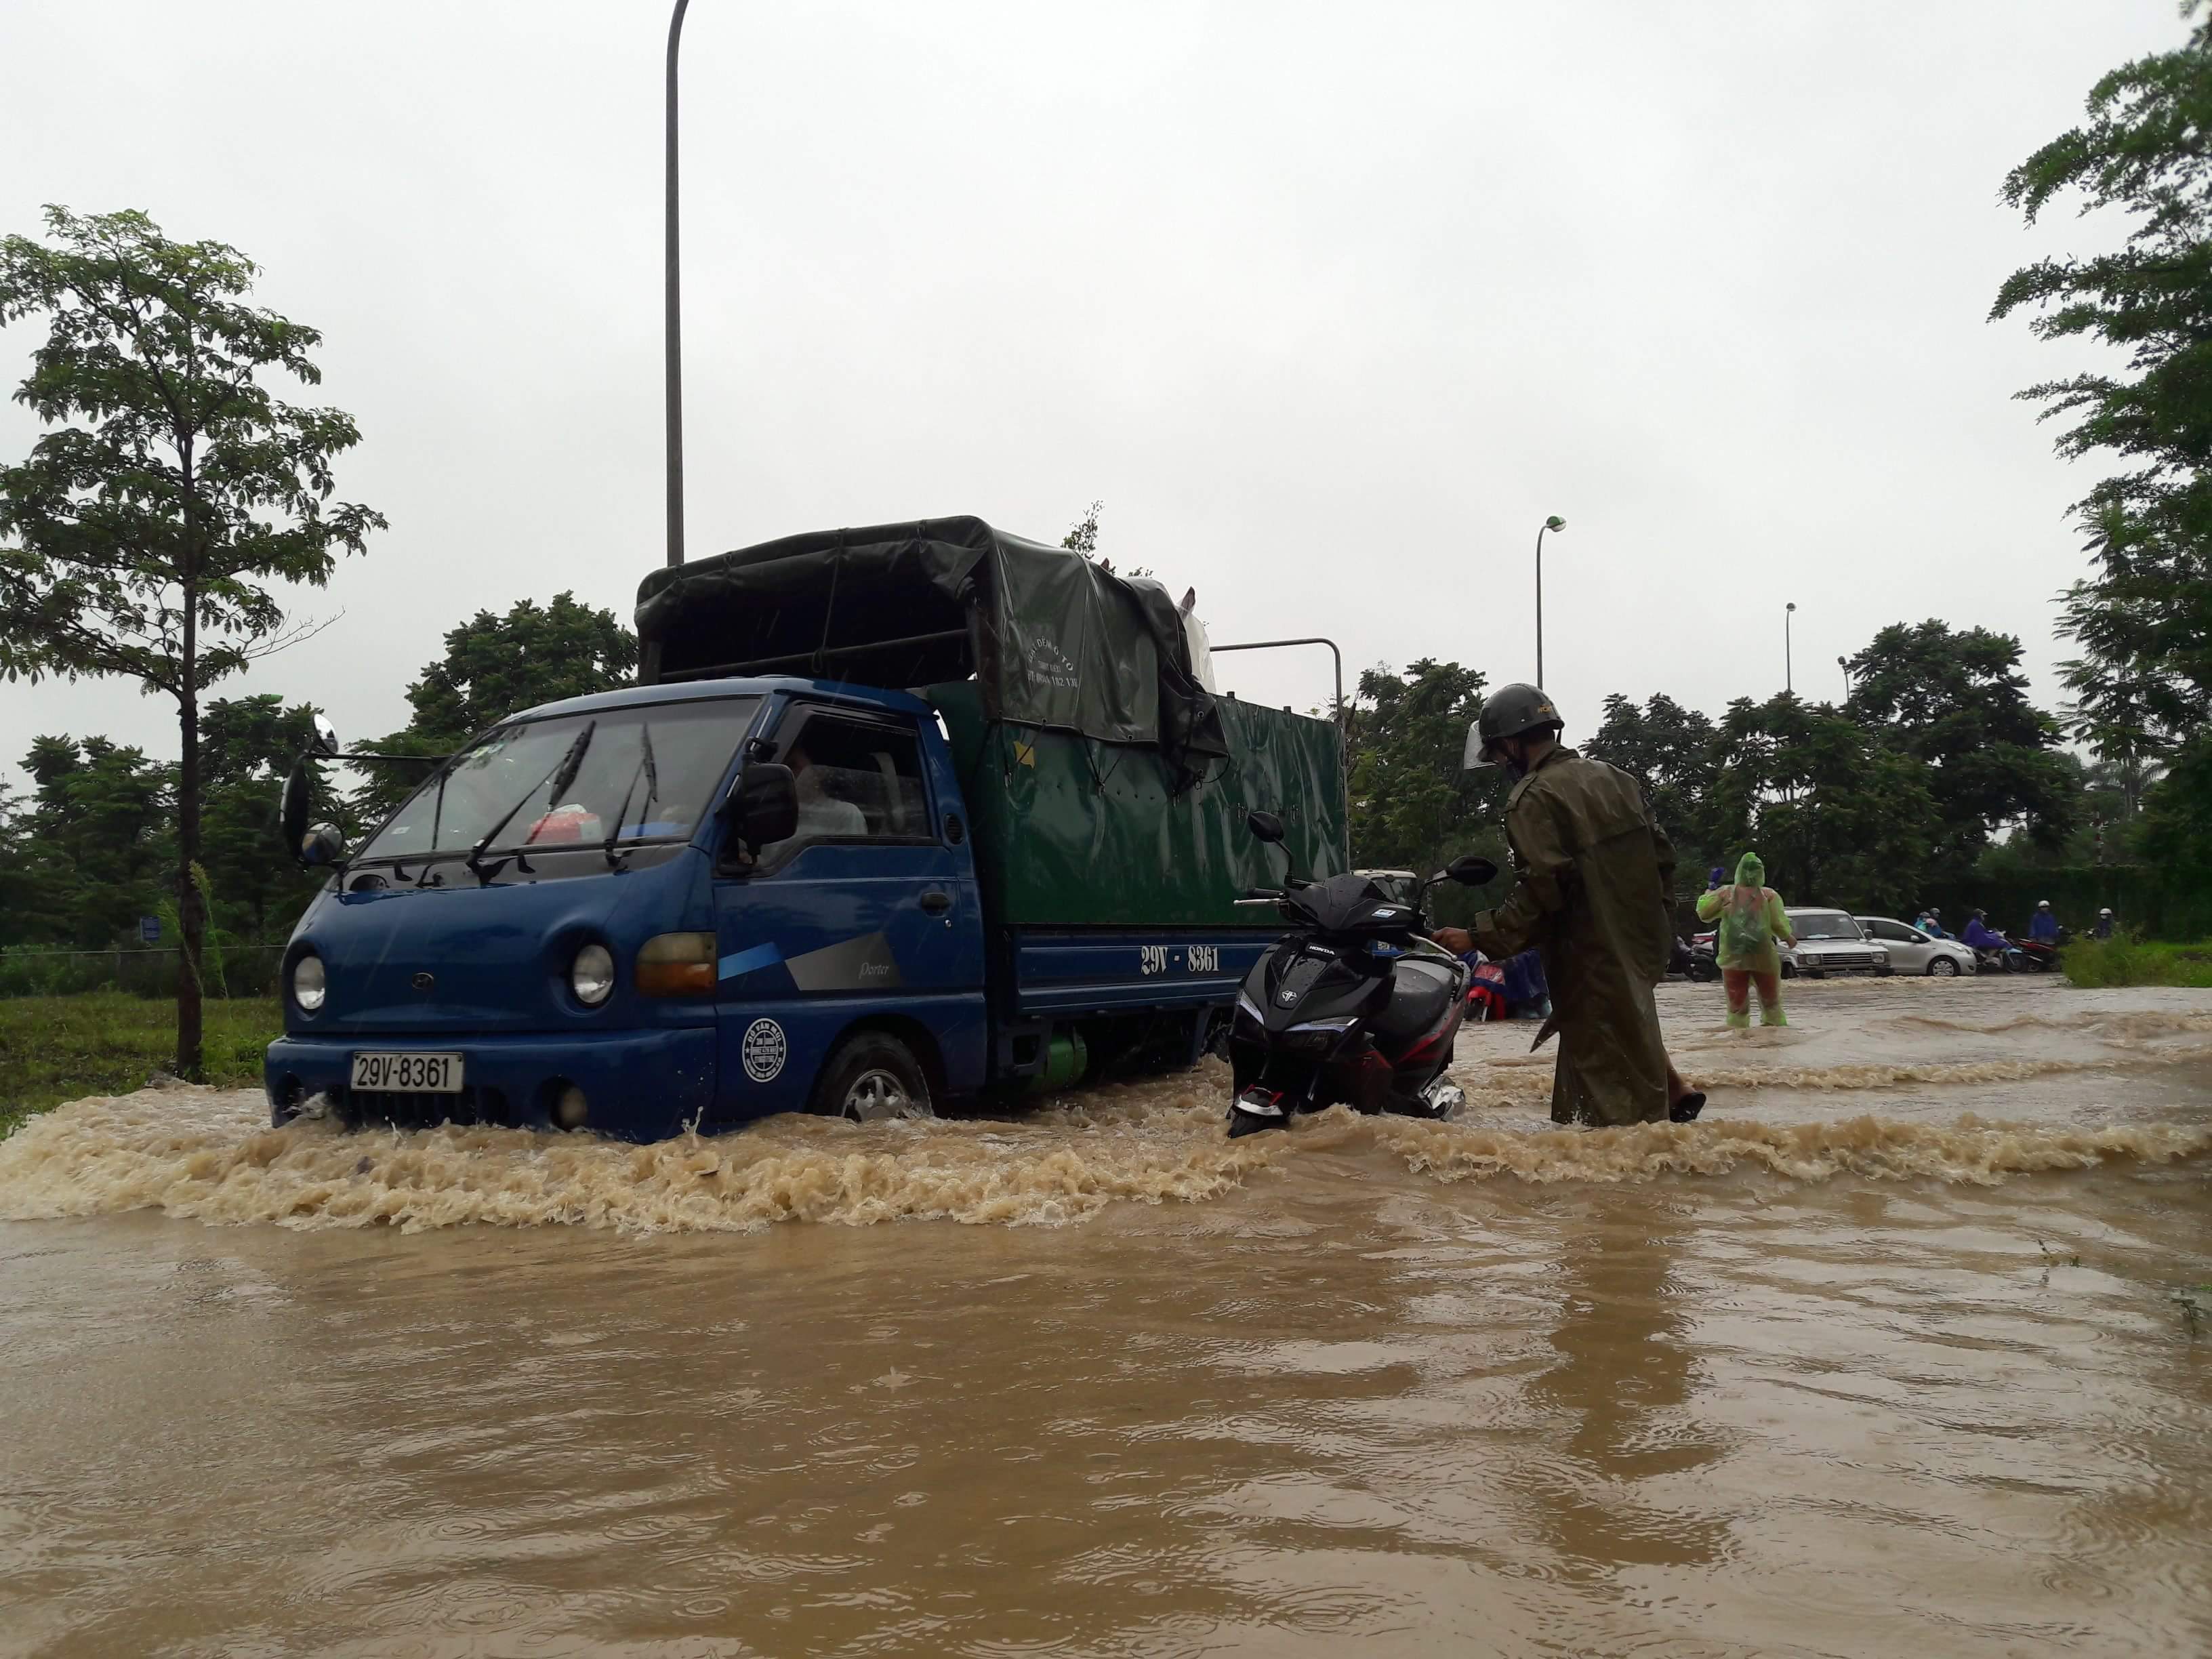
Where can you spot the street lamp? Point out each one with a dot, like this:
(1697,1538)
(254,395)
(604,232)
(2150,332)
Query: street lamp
(674,300)
(1844,663)
(1788,611)
(1555,523)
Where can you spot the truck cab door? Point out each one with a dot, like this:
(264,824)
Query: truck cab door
(870,910)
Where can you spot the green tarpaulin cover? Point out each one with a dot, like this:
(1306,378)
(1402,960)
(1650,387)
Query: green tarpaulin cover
(1072,833)
(1052,640)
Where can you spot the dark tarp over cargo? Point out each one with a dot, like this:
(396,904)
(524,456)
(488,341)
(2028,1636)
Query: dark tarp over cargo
(1053,639)
(1069,832)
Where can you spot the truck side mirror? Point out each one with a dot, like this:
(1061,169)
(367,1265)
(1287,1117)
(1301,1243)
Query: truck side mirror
(764,806)
(292,810)
(1265,826)
(322,847)
(1472,872)
(326,737)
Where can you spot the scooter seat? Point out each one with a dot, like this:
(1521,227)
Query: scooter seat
(1420,992)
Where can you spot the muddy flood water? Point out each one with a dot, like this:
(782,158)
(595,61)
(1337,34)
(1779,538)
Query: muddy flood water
(1895,1353)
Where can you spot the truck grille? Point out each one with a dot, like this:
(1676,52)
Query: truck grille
(473,1105)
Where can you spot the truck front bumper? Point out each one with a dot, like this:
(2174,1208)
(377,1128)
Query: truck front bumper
(639,1085)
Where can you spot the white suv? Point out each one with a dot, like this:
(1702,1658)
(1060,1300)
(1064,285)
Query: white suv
(1832,942)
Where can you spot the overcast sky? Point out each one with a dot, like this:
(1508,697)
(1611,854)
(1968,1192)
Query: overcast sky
(1330,304)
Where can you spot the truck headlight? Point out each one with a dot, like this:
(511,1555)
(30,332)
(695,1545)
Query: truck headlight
(676,965)
(591,975)
(309,984)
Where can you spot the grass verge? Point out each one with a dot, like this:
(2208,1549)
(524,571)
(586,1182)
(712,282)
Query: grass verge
(2121,960)
(108,1042)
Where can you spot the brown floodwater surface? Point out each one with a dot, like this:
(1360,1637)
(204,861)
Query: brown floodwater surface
(1896,1351)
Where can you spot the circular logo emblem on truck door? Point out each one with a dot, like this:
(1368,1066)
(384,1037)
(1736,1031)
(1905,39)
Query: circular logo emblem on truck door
(764,1050)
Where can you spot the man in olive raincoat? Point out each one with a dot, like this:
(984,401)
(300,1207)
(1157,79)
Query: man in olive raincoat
(1595,895)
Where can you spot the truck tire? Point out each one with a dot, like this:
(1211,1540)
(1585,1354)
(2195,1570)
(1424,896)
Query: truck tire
(871,1078)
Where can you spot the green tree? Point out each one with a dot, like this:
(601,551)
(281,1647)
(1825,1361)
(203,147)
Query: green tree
(1671,750)
(2177,828)
(87,854)
(1083,535)
(2113,714)
(2144,617)
(1839,817)
(246,746)
(143,535)
(1956,700)
(1412,808)
(494,666)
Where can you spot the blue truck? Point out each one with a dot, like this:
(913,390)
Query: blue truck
(899,818)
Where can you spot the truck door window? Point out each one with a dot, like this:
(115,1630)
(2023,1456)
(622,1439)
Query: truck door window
(859,780)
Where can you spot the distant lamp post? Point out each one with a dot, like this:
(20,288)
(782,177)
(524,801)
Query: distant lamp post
(1788,679)
(1555,524)
(1844,663)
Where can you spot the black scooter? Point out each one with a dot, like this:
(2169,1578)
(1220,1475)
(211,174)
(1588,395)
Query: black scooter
(1353,1005)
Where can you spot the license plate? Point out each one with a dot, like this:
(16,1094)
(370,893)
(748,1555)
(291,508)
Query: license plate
(408,1074)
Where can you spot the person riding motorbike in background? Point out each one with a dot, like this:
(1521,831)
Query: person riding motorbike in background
(1932,923)
(1594,895)
(1977,935)
(2104,929)
(2043,927)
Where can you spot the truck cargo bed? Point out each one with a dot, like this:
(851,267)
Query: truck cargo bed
(1070,973)
(1071,832)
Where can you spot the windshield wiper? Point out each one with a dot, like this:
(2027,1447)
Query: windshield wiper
(646,770)
(562,775)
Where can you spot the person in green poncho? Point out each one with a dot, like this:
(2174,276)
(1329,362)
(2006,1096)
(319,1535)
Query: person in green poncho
(1751,918)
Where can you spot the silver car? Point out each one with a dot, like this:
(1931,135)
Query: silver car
(1832,942)
(1914,950)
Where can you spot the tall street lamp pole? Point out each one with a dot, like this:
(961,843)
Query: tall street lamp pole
(1844,663)
(675,320)
(1789,681)
(1554,523)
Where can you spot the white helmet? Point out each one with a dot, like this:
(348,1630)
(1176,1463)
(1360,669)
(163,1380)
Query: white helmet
(2042,904)
(2106,911)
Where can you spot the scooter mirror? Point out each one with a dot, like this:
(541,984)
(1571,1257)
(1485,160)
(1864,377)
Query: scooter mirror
(1472,872)
(1265,826)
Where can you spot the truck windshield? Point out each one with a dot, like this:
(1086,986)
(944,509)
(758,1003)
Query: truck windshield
(665,758)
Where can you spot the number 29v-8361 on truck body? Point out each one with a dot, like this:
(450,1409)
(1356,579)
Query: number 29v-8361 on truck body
(766,880)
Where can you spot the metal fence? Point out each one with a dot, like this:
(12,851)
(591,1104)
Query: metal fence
(229,970)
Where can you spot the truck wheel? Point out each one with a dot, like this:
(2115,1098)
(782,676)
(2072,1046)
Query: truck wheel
(871,1078)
